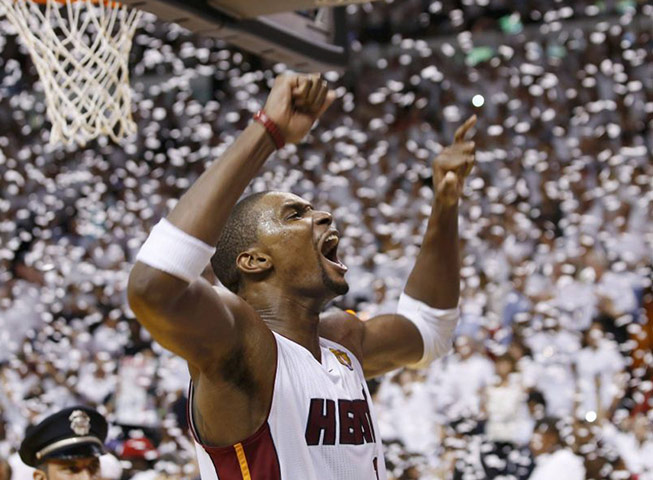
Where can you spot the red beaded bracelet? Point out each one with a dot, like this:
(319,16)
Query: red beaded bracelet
(271,127)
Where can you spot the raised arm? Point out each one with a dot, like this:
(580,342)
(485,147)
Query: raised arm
(189,316)
(432,292)
(435,278)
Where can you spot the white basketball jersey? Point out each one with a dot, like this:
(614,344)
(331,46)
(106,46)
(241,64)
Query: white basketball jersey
(320,427)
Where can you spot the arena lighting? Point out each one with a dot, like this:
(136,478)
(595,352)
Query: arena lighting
(478,100)
(590,416)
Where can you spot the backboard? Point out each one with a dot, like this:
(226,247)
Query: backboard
(305,35)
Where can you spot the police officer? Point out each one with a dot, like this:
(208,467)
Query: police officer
(66,445)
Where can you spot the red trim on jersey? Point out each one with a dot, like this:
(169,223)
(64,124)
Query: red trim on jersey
(260,452)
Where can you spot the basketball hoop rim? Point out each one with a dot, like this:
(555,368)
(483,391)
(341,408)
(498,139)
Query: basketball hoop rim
(80,49)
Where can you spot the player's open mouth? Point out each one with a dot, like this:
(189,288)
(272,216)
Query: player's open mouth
(329,250)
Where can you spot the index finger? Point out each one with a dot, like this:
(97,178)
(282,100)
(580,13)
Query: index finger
(459,136)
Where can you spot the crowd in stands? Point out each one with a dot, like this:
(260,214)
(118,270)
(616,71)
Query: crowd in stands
(551,375)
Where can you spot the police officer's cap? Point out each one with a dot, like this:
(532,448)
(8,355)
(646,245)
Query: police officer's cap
(75,432)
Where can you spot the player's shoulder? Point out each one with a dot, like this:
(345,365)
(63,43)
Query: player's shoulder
(344,328)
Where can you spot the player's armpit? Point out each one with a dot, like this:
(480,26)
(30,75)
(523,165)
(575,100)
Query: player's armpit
(389,342)
(200,324)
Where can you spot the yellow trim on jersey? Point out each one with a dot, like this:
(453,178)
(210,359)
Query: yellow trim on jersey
(242,460)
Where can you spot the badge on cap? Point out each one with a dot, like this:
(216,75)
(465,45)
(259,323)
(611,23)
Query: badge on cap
(80,422)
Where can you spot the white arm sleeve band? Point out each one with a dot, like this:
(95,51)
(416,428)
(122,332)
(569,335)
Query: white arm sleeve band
(435,325)
(173,251)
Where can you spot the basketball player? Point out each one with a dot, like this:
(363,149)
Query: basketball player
(278,390)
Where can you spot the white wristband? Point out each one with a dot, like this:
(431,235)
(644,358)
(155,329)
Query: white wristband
(173,251)
(434,324)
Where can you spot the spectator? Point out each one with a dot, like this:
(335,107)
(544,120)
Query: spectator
(507,425)
(552,459)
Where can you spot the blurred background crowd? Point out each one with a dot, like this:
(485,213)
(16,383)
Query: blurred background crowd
(552,370)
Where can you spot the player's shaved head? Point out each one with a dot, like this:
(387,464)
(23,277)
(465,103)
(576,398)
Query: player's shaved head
(272,240)
(239,234)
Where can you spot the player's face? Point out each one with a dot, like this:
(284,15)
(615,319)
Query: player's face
(303,244)
(76,469)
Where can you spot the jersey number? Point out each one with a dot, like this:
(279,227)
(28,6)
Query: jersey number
(375,462)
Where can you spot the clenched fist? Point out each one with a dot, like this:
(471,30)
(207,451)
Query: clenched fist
(296,101)
(452,166)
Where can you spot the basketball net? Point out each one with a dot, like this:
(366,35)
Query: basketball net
(81,50)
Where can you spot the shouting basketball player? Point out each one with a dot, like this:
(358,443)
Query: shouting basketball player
(278,390)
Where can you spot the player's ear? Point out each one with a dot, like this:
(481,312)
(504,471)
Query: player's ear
(253,261)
